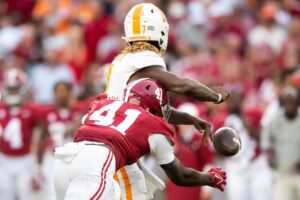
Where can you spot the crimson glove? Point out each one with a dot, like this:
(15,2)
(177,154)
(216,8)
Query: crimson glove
(218,178)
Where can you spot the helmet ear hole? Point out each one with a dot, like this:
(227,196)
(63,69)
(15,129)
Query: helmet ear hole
(147,87)
(162,33)
(153,112)
(161,41)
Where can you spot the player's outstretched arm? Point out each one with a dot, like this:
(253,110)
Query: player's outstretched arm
(162,150)
(183,176)
(177,117)
(182,86)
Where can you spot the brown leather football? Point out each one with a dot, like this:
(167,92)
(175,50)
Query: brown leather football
(226,141)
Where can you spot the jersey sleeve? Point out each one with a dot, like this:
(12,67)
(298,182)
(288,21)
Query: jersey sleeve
(145,59)
(161,148)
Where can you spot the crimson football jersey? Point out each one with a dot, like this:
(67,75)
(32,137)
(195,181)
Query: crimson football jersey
(124,127)
(57,121)
(16,128)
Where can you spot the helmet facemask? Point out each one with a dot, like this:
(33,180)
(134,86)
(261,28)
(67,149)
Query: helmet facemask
(15,87)
(14,95)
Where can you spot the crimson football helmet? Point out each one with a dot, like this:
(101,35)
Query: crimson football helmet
(150,95)
(14,86)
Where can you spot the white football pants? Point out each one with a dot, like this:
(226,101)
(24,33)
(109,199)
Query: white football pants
(15,177)
(85,171)
(47,190)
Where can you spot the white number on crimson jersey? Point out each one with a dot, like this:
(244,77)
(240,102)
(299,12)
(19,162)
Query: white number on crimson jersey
(13,134)
(108,119)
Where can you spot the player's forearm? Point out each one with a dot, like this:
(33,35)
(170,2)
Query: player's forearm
(183,176)
(192,177)
(200,91)
(177,117)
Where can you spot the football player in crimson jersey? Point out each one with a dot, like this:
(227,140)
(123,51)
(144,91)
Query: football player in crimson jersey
(17,121)
(118,133)
(61,120)
(146,33)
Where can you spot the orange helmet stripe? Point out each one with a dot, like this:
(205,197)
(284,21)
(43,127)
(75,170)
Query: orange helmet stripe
(136,18)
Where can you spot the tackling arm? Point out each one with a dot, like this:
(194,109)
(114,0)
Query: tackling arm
(162,150)
(177,117)
(183,176)
(180,85)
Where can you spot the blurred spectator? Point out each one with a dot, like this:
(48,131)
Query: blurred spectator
(274,107)
(243,168)
(236,166)
(110,45)
(258,189)
(93,32)
(10,34)
(75,52)
(61,119)
(281,141)
(268,32)
(21,9)
(93,81)
(45,75)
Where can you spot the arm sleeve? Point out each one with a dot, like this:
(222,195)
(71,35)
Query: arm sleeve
(161,149)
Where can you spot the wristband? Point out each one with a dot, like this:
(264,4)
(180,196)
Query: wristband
(220,98)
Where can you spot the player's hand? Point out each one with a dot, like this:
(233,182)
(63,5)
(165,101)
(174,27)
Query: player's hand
(204,127)
(38,179)
(218,178)
(222,91)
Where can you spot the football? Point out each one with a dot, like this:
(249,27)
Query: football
(226,141)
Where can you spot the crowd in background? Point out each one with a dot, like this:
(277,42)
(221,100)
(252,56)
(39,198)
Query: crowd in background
(251,47)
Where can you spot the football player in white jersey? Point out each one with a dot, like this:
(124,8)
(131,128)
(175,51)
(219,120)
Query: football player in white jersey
(146,33)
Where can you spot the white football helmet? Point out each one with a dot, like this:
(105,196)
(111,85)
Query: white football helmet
(146,22)
(15,86)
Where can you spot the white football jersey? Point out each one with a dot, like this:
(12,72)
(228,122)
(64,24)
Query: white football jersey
(124,66)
